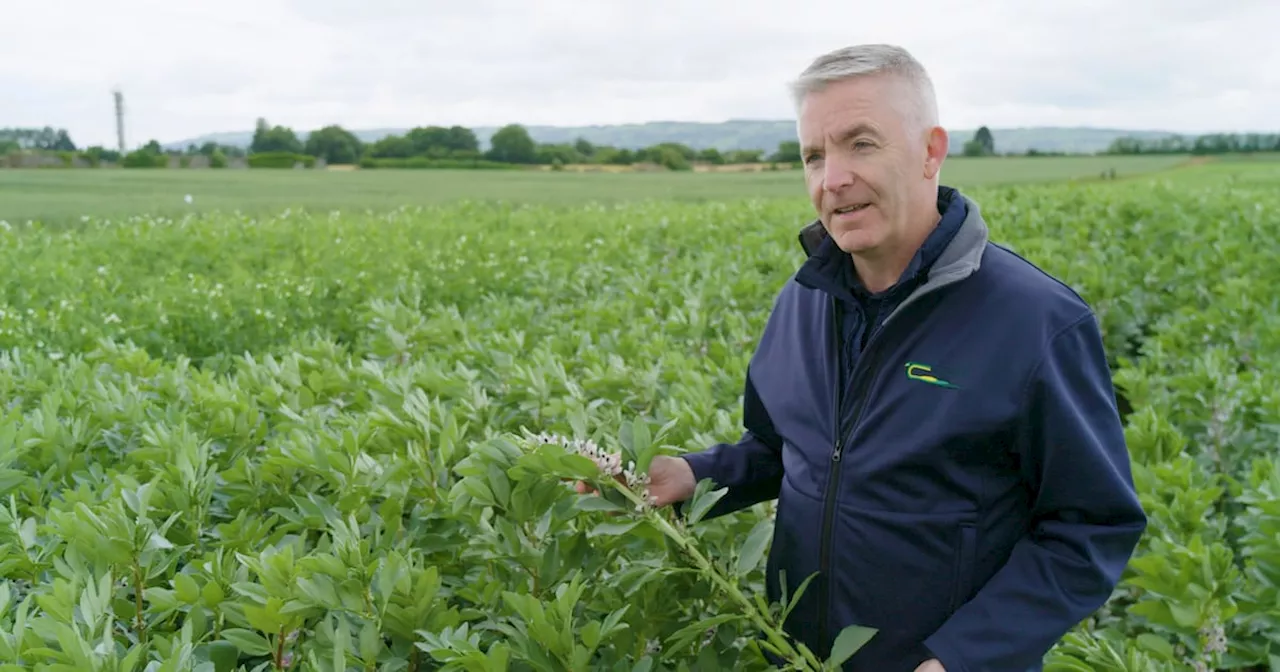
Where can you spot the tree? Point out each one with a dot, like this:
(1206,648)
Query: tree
(62,142)
(335,145)
(461,141)
(512,144)
(439,142)
(559,153)
(260,130)
(712,156)
(788,152)
(392,147)
(739,156)
(982,144)
(274,139)
(45,139)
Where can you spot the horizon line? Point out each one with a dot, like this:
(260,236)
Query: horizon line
(760,120)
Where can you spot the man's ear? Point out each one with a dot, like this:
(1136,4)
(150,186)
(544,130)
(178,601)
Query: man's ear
(936,146)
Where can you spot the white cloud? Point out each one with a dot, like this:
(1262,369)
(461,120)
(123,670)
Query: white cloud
(195,67)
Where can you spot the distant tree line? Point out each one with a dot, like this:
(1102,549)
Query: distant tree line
(511,146)
(423,147)
(57,143)
(52,141)
(1212,143)
(47,139)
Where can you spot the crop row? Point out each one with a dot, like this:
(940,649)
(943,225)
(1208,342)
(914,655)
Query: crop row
(296,442)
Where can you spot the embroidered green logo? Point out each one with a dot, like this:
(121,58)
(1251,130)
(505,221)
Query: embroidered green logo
(924,374)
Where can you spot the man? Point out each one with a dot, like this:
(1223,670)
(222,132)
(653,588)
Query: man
(933,413)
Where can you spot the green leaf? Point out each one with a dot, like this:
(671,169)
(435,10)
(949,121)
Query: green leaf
(370,643)
(612,529)
(754,546)
(224,655)
(320,590)
(1156,645)
(212,594)
(1185,615)
(848,642)
(499,485)
(595,503)
(641,446)
(247,641)
(186,589)
(703,499)
(685,636)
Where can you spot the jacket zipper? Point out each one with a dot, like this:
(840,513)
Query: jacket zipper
(829,500)
(824,549)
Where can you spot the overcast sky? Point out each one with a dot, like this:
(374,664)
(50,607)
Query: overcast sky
(195,66)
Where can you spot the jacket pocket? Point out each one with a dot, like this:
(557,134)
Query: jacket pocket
(964,559)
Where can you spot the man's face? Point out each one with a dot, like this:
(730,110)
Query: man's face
(866,164)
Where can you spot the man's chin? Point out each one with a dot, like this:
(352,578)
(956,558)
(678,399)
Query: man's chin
(855,242)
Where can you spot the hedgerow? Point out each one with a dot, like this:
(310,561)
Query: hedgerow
(331,441)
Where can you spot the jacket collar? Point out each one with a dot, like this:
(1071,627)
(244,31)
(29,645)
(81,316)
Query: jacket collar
(952,252)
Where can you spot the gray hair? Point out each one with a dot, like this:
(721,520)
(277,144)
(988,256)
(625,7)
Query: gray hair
(870,59)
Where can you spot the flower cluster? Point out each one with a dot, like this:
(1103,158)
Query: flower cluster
(1214,637)
(609,464)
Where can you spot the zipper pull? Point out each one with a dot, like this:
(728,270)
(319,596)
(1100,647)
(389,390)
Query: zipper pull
(835,457)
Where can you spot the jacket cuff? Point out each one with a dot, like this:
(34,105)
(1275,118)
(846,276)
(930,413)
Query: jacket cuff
(945,654)
(701,463)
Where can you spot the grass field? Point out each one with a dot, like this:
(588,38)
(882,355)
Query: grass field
(297,441)
(58,196)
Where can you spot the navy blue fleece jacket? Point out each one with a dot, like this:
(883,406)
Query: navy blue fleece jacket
(953,466)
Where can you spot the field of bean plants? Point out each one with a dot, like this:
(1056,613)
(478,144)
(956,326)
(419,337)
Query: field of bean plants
(329,440)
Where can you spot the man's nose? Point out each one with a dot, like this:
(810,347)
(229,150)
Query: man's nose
(836,174)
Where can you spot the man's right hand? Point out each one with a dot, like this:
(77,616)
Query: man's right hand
(670,480)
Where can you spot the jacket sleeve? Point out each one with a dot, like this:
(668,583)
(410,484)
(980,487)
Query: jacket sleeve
(1086,516)
(751,468)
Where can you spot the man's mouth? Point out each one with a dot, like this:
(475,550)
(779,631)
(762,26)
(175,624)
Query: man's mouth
(850,208)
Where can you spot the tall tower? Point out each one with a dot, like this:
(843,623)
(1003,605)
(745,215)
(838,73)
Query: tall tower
(120,119)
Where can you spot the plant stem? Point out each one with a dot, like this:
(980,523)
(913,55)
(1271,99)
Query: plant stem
(775,637)
(137,601)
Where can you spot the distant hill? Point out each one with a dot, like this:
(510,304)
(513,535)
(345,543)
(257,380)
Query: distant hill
(742,134)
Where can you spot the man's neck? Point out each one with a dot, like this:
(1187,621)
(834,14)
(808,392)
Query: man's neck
(884,270)
(881,273)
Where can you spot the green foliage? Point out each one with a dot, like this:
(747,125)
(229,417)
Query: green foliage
(982,143)
(1200,145)
(422,163)
(47,139)
(316,441)
(512,144)
(788,152)
(269,139)
(335,145)
(280,160)
(145,157)
(440,142)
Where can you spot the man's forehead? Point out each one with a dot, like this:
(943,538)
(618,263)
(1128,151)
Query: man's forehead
(844,129)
